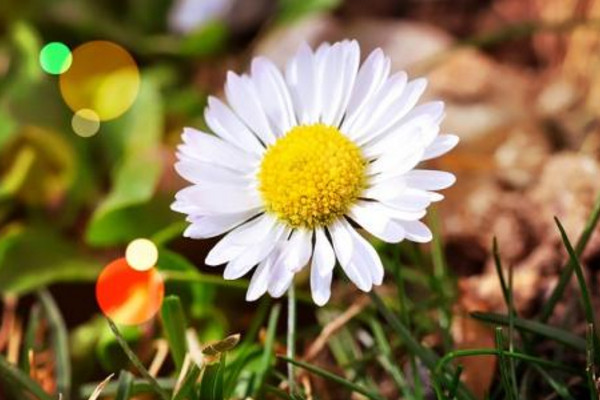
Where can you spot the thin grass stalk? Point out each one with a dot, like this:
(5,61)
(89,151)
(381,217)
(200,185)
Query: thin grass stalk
(291,337)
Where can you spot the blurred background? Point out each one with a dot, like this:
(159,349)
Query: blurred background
(521,84)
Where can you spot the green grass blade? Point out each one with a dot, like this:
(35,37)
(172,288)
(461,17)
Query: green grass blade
(535,327)
(442,282)
(334,378)
(559,388)
(385,358)
(59,338)
(30,333)
(428,357)
(510,387)
(455,382)
(246,350)
(136,361)
(576,266)
(138,387)
(590,368)
(567,271)
(211,386)
(174,326)
(188,385)
(267,357)
(500,271)
(124,386)
(494,352)
(12,376)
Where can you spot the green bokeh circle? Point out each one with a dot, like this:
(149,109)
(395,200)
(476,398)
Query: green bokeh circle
(55,58)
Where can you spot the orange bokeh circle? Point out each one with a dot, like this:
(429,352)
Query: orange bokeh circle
(127,296)
(103,78)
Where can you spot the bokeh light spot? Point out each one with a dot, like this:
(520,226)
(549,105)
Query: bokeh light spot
(85,123)
(55,58)
(127,296)
(141,254)
(104,78)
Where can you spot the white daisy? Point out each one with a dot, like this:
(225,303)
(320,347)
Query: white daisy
(299,159)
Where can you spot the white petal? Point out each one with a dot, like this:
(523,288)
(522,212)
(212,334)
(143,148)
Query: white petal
(403,139)
(365,257)
(257,228)
(440,145)
(219,199)
(417,231)
(260,279)
(409,200)
(371,76)
(343,244)
(213,225)
(379,103)
(396,163)
(301,76)
(338,68)
(342,241)
(297,250)
(280,280)
(254,254)
(200,172)
(391,110)
(374,218)
(224,123)
(274,95)
(323,259)
(219,254)
(320,286)
(429,180)
(212,149)
(241,95)
(351,63)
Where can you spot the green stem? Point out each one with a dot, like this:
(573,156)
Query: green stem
(291,336)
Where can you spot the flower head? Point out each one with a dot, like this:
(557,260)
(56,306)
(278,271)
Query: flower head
(297,160)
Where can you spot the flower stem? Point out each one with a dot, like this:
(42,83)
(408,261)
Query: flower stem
(291,336)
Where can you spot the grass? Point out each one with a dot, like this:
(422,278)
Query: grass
(397,323)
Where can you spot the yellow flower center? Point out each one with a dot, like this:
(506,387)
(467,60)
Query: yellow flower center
(311,176)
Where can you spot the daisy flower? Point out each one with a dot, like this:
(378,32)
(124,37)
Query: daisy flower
(298,160)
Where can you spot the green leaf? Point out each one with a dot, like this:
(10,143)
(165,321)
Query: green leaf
(8,127)
(211,385)
(174,326)
(59,342)
(14,378)
(539,328)
(186,390)
(55,259)
(135,179)
(208,40)
(267,357)
(196,297)
(124,386)
(291,10)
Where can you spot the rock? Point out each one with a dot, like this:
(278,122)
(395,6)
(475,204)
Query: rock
(406,43)
(281,43)
(516,167)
